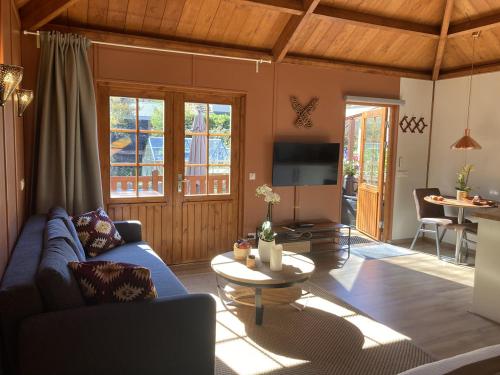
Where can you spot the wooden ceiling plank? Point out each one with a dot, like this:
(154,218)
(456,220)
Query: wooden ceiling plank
(377,22)
(443,37)
(285,6)
(37,13)
(291,29)
(468,27)
(357,67)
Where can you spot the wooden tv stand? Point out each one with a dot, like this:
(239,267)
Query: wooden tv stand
(324,235)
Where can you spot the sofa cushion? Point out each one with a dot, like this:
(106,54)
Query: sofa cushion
(60,213)
(56,228)
(140,253)
(96,232)
(57,285)
(109,282)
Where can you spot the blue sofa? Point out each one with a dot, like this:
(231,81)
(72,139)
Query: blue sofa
(46,328)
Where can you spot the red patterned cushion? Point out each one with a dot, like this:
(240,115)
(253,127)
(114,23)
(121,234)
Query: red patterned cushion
(96,232)
(107,282)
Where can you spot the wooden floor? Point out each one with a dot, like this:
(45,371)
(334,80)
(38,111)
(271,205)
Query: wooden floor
(417,295)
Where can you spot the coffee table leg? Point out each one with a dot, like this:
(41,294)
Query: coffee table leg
(259,309)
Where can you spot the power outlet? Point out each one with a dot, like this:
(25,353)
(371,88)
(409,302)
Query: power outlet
(251,235)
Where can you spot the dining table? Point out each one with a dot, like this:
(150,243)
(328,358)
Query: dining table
(461,205)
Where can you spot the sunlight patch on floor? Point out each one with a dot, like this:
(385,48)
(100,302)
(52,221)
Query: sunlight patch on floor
(431,266)
(375,333)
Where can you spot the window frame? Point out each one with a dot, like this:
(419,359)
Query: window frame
(105,92)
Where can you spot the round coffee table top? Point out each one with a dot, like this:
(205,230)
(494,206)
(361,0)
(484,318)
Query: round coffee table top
(296,269)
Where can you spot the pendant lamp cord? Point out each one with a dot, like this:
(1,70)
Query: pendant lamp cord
(474,37)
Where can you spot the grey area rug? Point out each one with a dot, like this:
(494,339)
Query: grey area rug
(327,337)
(380,251)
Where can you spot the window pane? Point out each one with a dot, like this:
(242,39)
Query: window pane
(122,112)
(219,180)
(122,147)
(371,152)
(219,150)
(122,182)
(196,180)
(151,113)
(219,119)
(151,148)
(195,148)
(150,181)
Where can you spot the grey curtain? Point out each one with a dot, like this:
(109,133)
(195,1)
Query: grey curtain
(66,167)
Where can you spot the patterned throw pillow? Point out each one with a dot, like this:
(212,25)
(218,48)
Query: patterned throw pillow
(96,232)
(108,282)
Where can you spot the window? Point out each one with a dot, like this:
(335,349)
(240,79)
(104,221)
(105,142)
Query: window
(207,149)
(137,138)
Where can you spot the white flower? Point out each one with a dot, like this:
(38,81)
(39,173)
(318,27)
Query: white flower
(262,190)
(272,198)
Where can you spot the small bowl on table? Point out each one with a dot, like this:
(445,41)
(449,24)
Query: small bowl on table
(241,249)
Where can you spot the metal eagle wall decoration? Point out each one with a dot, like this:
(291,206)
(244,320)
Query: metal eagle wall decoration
(303,119)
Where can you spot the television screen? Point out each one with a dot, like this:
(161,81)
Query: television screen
(299,164)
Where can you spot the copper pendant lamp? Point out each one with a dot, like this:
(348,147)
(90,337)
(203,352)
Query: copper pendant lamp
(467,142)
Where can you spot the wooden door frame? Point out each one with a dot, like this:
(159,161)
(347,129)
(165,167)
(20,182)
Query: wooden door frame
(389,186)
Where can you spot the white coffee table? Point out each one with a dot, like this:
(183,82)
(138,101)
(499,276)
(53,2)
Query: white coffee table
(296,270)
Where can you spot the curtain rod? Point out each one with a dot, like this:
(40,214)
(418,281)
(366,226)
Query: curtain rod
(256,61)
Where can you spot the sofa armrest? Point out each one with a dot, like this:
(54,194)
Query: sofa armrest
(130,230)
(173,335)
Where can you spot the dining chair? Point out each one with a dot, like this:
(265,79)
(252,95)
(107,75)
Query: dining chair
(432,215)
(467,228)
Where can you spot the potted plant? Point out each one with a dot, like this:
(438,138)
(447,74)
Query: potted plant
(350,171)
(266,235)
(462,181)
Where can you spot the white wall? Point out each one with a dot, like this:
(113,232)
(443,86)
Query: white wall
(450,111)
(411,161)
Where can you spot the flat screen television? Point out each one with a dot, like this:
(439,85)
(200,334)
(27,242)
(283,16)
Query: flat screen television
(300,164)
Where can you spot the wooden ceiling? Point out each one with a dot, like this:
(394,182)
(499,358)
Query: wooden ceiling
(427,39)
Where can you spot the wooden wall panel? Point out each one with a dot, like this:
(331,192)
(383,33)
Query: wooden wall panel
(156,229)
(209,228)
(12,198)
(368,205)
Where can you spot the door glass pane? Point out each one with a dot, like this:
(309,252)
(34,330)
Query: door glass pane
(371,153)
(151,114)
(123,182)
(150,181)
(219,119)
(122,112)
(207,148)
(122,147)
(151,148)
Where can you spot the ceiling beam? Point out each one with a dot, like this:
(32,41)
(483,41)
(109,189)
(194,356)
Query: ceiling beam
(468,27)
(150,42)
(463,71)
(356,67)
(377,22)
(37,13)
(161,43)
(292,28)
(443,37)
(285,6)
(349,16)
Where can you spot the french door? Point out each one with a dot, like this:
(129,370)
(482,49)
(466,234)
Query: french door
(207,158)
(171,160)
(372,172)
